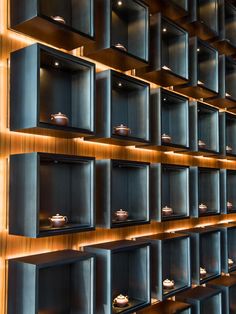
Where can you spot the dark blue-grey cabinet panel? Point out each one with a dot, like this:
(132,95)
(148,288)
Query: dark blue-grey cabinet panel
(173,9)
(228,252)
(205,253)
(203,19)
(226,97)
(123,267)
(170,259)
(169,121)
(203,129)
(168,64)
(227,135)
(204,300)
(122,34)
(169,192)
(203,70)
(167,307)
(45,82)
(204,191)
(63,23)
(121,102)
(57,282)
(227,190)
(227,285)
(226,43)
(43,185)
(122,185)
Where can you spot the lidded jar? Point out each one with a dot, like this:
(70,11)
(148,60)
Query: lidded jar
(58,220)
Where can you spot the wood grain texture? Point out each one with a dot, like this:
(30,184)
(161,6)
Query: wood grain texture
(12,143)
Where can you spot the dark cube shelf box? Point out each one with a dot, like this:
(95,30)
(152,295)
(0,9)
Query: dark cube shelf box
(45,81)
(227,285)
(204,190)
(66,24)
(227,92)
(203,19)
(48,184)
(168,53)
(204,129)
(173,9)
(167,307)
(122,185)
(228,197)
(169,190)
(170,259)
(227,138)
(205,253)
(121,101)
(169,114)
(204,300)
(57,282)
(203,70)
(122,34)
(228,252)
(226,43)
(123,267)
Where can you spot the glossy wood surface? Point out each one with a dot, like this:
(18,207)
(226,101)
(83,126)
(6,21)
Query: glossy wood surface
(14,143)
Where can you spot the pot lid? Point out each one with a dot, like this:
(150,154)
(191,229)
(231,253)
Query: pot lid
(57,216)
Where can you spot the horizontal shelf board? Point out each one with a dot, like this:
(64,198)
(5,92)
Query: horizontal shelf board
(127,221)
(52,258)
(173,216)
(165,236)
(41,28)
(66,227)
(224,281)
(209,213)
(54,131)
(115,58)
(121,141)
(133,303)
(209,276)
(195,91)
(177,288)
(162,77)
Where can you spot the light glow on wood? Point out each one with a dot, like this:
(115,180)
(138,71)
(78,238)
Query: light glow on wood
(12,143)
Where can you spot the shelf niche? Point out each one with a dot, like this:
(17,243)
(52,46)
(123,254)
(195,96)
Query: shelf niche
(170,259)
(226,43)
(122,185)
(204,300)
(228,197)
(168,64)
(203,70)
(169,114)
(173,9)
(227,285)
(167,307)
(57,282)
(205,253)
(65,24)
(54,184)
(122,101)
(122,34)
(44,82)
(227,76)
(123,267)
(169,190)
(228,234)
(203,20)
(204,190)
(204,129)
(227,138)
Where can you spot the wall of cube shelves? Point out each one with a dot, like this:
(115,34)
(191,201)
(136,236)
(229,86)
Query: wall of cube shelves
(118,156)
